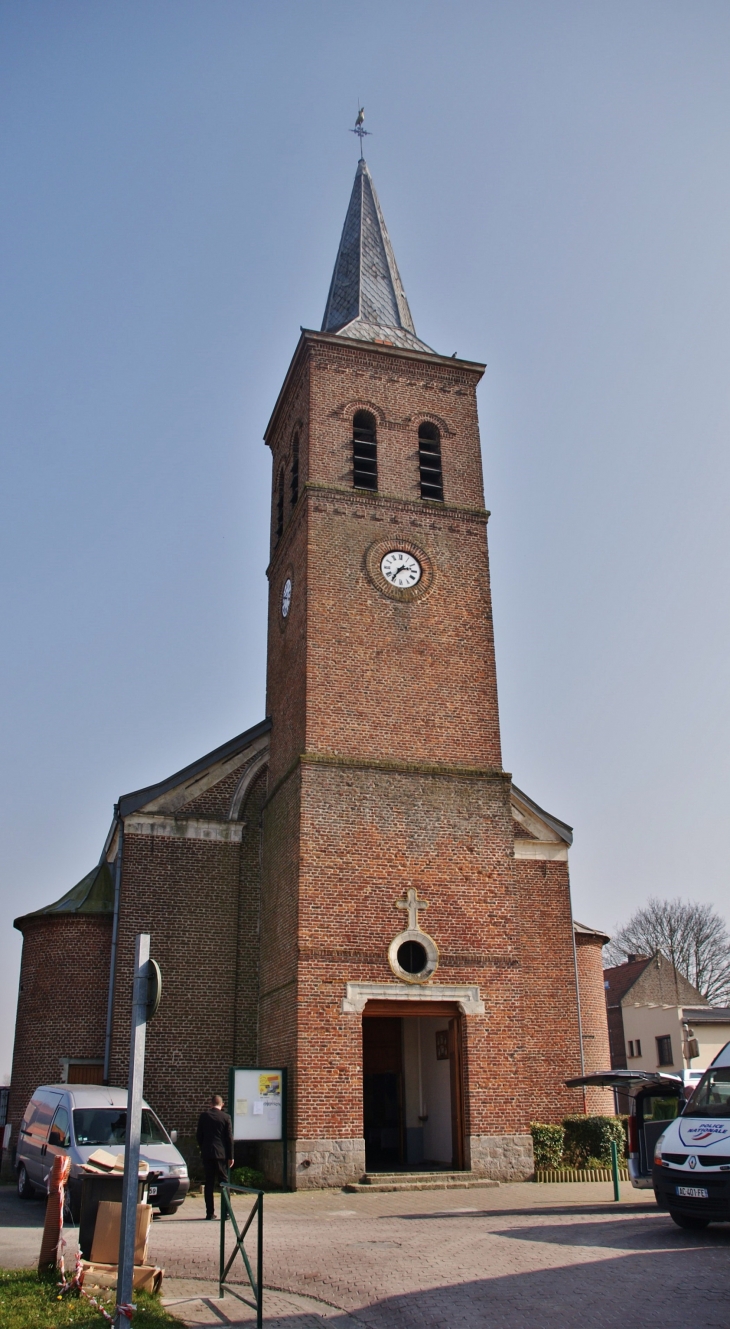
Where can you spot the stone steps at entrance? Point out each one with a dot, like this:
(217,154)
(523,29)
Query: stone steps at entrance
(417,1181)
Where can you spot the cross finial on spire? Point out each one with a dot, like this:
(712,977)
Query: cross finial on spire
(360,129)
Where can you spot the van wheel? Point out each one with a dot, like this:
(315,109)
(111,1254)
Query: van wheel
(688,1221)
(25,1190)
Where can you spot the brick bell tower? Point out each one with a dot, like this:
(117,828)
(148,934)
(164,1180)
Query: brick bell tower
(392,981)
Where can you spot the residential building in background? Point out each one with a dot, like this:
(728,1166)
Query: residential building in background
(658,1021)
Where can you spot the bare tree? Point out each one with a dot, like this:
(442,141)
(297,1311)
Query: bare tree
(693,936)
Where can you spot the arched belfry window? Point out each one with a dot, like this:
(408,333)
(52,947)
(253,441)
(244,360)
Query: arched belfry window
(364,451)
(280,506)
(429,461)
(295,470)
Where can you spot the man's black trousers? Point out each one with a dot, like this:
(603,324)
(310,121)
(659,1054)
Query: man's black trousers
(216,1170)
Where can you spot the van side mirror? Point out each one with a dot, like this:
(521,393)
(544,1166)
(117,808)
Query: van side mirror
(173,1136)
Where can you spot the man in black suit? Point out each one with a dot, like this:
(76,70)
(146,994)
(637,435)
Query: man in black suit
(215,1141)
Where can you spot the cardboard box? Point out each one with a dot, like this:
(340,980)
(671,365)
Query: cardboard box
(105,1246)
(147,1278)
(102,1161)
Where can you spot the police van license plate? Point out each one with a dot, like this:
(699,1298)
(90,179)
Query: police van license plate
(693,1192)
(153,1191)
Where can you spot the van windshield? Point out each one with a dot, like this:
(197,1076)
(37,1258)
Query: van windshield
(107,1126)
(711,1098)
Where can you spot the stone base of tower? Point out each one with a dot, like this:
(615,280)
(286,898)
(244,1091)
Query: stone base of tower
(316,1164)
(319,1164)
(501,1157)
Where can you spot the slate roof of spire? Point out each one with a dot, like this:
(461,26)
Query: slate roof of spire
(366,299)
(94,894)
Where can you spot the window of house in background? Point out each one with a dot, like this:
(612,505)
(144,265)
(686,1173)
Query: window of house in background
(638,1047)
(429,461)
(295,470)
(280,506)
(664,1051)
(364,451)
(631,1048)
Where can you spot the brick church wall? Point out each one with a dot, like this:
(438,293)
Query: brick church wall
(278,993)
(184,892)
(245,1050)
(550,1018)
(288,664)
(366,836)
(62,1001)
(355,701)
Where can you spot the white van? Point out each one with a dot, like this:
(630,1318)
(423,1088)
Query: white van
(691,1171)
(76,1119)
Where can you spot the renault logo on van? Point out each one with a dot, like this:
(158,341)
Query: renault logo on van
(692,1161)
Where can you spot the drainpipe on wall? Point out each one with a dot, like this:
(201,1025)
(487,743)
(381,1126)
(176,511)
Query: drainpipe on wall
(113,960)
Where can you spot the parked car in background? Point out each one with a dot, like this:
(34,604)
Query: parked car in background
(76,1120)
(691,1173)
(652,1099)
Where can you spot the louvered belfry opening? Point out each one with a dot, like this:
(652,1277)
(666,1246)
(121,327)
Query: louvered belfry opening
(364,451)
(280,506)
(295,470)
(429,460)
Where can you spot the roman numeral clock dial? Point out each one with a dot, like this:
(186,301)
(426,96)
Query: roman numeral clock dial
(400,569)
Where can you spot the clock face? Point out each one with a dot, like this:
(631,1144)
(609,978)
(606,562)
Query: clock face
(286,598)
(400,569)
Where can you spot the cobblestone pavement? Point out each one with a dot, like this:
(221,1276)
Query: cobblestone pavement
(522,1255)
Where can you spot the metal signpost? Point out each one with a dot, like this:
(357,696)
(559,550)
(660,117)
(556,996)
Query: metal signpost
(145,1001)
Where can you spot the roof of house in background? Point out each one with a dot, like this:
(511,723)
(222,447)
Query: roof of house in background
(706,1014)
(649,981)
(621,977)
(366,299)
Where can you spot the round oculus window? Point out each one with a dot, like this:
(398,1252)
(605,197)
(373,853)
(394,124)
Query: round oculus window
(412,957)
(286,598)
(402,570)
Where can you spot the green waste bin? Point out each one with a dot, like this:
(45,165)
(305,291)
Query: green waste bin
(96,1186)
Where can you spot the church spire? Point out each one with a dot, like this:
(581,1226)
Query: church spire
(366,298)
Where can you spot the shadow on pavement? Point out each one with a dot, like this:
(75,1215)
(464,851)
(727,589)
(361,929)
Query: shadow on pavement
(650,1210)
(631,1292)
(611,1236)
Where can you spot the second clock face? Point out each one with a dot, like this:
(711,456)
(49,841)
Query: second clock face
(286,598)
(400,569)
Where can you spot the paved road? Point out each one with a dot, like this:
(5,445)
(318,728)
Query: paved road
(522,1255)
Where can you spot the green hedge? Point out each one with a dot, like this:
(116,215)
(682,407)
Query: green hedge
(590,1138)
(547,1144)
(248,1176)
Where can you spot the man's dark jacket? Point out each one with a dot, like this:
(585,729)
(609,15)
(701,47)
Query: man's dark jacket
(214,1134)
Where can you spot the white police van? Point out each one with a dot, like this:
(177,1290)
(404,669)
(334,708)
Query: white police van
(691,1172)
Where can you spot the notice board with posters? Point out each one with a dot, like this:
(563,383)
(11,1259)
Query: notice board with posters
(257,1102)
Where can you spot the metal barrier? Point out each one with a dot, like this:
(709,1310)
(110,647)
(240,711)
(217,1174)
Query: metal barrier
(257,1283)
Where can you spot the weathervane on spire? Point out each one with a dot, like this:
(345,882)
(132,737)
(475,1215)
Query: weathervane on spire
(360,129)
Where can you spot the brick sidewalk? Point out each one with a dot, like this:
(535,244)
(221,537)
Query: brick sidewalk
(523,1255)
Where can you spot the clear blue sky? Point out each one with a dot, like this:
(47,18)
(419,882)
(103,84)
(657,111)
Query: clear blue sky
(555,181)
